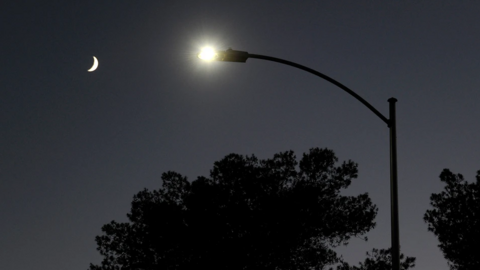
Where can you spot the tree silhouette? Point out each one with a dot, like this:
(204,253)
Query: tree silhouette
(379,260)
(249,214)
(455,220)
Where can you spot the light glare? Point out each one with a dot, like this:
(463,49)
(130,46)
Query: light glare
(207,54)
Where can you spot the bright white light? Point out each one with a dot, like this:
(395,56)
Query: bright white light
(207,54)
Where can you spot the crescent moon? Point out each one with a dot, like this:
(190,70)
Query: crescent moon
(95,65)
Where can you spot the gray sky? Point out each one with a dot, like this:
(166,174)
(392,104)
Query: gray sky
(76,146)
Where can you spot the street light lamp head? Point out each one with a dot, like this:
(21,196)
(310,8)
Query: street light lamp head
(209,54)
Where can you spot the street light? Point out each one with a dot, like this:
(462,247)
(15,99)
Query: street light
(230,55)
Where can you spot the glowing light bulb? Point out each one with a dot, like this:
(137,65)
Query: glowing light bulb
(207,54)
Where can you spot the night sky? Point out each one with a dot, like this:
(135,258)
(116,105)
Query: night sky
(76,146)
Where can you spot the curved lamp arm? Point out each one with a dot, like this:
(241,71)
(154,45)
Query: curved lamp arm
(241,57)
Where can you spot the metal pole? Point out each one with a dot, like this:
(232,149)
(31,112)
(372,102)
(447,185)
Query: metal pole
(393,186)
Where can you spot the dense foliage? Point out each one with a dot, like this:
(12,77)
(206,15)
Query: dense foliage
(380,260)
(249,214)
(455,220)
